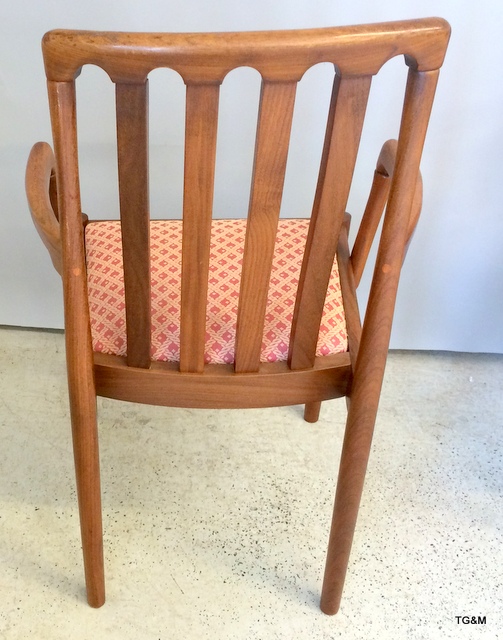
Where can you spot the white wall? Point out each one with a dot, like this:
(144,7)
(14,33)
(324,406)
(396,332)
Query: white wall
(451,294)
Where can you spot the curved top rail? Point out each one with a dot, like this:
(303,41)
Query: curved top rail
(277,55)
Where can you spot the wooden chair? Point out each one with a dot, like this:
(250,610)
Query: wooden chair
(128,358)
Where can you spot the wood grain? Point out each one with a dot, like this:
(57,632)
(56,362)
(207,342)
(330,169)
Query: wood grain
(219,387)
(347,111)
(375,207)
(271,151)
(39,177)
(132,155)
(369,370)
(79,356)
(200,149)
(348,290)
(277,55)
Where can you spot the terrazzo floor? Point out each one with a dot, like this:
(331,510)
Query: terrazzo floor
(216,522)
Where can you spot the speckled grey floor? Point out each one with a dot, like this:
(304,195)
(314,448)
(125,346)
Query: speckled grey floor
(216,522)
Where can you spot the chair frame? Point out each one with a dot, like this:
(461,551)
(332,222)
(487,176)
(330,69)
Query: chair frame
(203,60)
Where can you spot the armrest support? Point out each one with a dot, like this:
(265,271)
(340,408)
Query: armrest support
(375,206)
(42,199)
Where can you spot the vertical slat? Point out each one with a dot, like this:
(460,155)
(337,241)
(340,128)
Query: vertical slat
(367,382)
(347,112)
(200,148)
(271,151)
(79,353)
(132,147)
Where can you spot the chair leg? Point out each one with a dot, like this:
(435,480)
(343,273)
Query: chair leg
(353,466)
(87,471)
(312,411)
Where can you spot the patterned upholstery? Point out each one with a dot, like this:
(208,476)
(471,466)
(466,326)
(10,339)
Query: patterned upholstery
(106,291)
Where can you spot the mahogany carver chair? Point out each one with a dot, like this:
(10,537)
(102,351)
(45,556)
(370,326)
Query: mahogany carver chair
(145,317)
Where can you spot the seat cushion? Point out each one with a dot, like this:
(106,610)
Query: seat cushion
(106,291)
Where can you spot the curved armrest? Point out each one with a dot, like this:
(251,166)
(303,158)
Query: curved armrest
(375,207)
(41,193)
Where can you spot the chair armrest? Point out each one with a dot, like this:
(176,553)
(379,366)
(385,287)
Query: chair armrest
(375,206)
(42,199)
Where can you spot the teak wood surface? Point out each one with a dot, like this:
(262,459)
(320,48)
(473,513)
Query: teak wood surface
(203,60)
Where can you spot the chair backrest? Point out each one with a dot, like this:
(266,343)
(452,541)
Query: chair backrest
(203,60)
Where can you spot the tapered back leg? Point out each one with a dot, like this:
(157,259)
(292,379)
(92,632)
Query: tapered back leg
(369,371)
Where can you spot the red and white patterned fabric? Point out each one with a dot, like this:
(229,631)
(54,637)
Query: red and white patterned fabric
(106,291)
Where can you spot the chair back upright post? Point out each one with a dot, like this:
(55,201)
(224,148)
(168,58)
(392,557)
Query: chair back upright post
(78,342)
(372,353)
